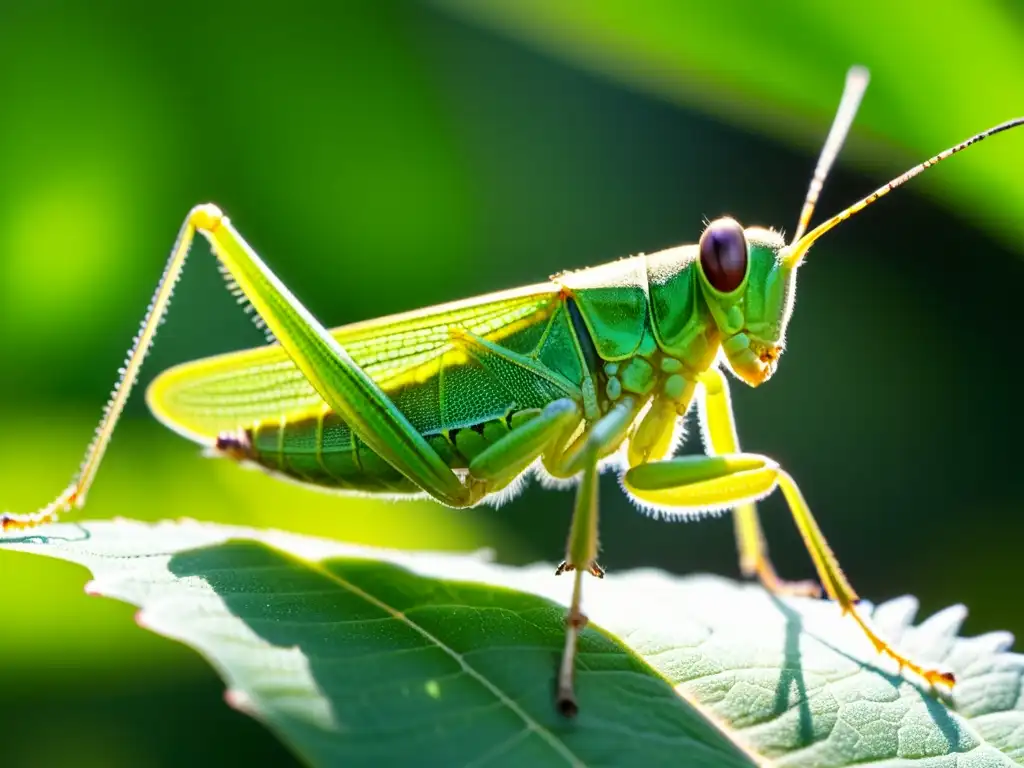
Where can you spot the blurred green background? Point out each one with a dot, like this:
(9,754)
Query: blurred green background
(385,155)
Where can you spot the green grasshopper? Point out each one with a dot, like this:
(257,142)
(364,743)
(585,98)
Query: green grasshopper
(460,402)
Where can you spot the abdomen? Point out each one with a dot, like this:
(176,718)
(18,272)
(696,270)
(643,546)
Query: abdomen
(321,450)
(461,395)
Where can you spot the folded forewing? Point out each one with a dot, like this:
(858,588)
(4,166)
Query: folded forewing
(204,398)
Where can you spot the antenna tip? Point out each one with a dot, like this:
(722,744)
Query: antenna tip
(859,73)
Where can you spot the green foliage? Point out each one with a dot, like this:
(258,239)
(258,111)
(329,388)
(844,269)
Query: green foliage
(357,656)
(770,69)
(384,155)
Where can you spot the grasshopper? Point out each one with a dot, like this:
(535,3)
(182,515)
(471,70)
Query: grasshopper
(461,402)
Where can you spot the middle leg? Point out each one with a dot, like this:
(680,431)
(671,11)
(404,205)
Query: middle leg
(582,457)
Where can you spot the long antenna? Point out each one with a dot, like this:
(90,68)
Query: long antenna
(799,249)
(856,83)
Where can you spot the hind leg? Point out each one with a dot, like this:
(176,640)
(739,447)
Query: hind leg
(700,482)
(719,425)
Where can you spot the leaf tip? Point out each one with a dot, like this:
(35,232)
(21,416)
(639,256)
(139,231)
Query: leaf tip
(946,623)
(996,642)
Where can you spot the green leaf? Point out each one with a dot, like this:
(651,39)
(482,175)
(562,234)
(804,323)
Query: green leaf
(779,71)
(361,656)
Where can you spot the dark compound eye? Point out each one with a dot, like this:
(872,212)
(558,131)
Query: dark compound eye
(723,254)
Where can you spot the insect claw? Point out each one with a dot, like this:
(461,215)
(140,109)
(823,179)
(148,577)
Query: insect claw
(565,566)
(567,705)
(765,573)
(811,589)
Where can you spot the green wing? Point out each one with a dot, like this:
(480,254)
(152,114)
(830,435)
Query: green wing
(205,398)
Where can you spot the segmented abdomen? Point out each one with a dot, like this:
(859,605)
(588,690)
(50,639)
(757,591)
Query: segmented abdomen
(463,401)
(322,450)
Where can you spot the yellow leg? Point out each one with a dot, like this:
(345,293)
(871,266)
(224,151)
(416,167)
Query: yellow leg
(343,385)
(713,481)
(720,437)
